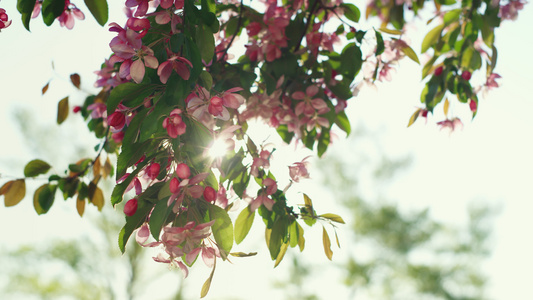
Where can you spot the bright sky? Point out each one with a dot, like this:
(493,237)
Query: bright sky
(490,160)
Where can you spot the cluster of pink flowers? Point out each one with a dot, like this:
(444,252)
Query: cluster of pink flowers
(268,37)
(182,244)
(67,18)
(510,10)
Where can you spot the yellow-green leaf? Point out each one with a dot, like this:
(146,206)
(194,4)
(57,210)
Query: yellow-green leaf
(333,217)
(207,283)
(414,116)
(76,80)
(431,38)
(6,187)
(36,167)
(281,254)
(410,53)
(301,239)
(337,238)
(327,243)
(446,106)
(36,203)
(108,168)
(243,224)
(390,31)
(98,198)
(242,254)
(62,110)
(15,192)
(308,201)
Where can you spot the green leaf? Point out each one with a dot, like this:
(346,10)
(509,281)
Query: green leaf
(36,167)
(134,222)
(452,16)
(62,110)
(471,59)
(222,228)
(278,234)
(327,243)
(333,217)
(99,10)
(206,42)
(351,12)
(25,7)
(323,142)
(351,61)
(52,9)
(301,239)
(159,217)
(130,94)
(431,38)
(390,31)
(380,47)
(343,122)
(43,198)
(243,224)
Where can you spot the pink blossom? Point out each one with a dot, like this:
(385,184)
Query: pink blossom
(141,5)
(450,124)
(510,10)
(177,63)
(117,120)
(269,188)
(473,105)
(210,195)
(299,170)
(309,106)
(4,22)
(153,170)
(386,72)
(66,19)
(140,25)
(98,110)
(174,124)
(262,161)
(183,171)
(37,9)
(178,4)
(491,81)
(231,99)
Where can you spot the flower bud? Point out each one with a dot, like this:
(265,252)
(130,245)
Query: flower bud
(210,195)
(466,75)
(131,207)
(183,171)
(438,71)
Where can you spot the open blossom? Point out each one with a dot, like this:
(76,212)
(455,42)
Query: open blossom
(4,22)
(451,124)
(269,187)
(309,105)
(97,109)
(174,124)
(510,10)
(174,62)
(141,5)
(262,161)
(491,81)
(299,170)
(66,19)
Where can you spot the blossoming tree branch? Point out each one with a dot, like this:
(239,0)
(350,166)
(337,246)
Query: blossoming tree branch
(172,92)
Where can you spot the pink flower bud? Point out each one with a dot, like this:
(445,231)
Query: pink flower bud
(174,185)
(438,71)
(210,195)
(131,207)
(117,120)
(118,137)
(76,109)
(183,171)
(473,105)
(153,170)
(466,75)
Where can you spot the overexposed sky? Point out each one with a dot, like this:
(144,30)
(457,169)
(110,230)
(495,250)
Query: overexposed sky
(489,160)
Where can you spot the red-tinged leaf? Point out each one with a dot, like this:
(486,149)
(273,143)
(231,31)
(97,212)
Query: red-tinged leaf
(36,167)
(390,31)
(409,52)
(97,198)
(62,110)
(45,88)
(15,192)
(6,187)
(80,206)
(108,168)
(333,217)
(414,116)
(327,243)
(242,254)
(281,254)
(207,283)
(76,80)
